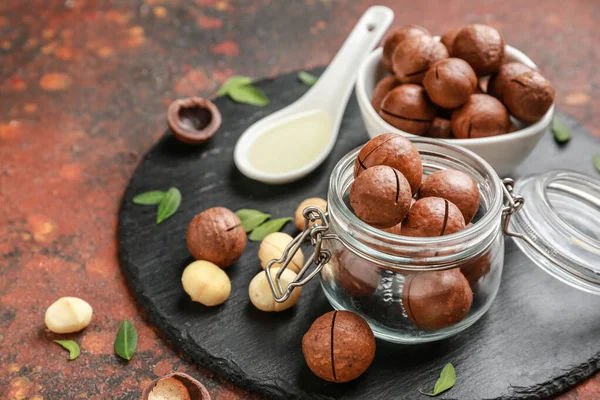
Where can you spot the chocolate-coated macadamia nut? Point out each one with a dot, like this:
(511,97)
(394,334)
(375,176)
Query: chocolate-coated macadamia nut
(450,82)
(383,87)
(529,96)
(392,41)
(437,299)
(433,216)
(414,56)
(481,116)
(499,81)
(357,276)
(216,235)
(395,151)
(339,346)
(441,128)
(454,186)
(448,38)
(380,196)
(408,108)
(482,46)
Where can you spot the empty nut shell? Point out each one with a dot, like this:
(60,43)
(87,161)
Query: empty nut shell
(482,46)
(414,56)
(450,82)
(173,386)
(431,217)
(454,186)
(380,196)
(481,116)
(395,151)
(383,87)
(441,128)
(437,299)
(392,41)
(408,108)
(193,120)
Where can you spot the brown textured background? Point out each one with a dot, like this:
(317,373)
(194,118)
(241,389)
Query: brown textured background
(84,87)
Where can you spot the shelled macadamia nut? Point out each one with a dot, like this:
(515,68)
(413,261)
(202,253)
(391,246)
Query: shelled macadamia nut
(408,108)
(482,46)
(175,386)
(395,151)
(392,41)
(450,82)
(318,202)
(206,283)
(216,235)
(339,346)
(414,56)
(68,315)
(454,186)
(437,299)
(271,248)
(380,196)
(433,216)
(262,297)
(481,116)
(441,128)
(381,90)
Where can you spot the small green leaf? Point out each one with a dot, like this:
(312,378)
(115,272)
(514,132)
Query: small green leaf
(70,345)
(596,159)
(446,380)
(233,82)
(149,198)
(562,133)
(251,218)
(168,205)
(271,226)
(306,78)
(249,95)
(126,340)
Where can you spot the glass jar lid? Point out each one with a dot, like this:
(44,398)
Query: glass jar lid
(558,226)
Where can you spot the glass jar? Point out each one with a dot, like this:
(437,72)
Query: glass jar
(419,289)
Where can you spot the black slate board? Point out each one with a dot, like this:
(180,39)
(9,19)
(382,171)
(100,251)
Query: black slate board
(539,337)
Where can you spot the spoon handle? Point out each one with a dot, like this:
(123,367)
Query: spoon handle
(332,90)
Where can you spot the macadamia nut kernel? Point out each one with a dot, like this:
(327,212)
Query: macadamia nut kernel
(206,283)
(262,297)
(318,202)
(271,248)
(68,315)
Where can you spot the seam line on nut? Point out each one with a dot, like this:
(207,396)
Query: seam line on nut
(445,217)
(405,118)
(332,344)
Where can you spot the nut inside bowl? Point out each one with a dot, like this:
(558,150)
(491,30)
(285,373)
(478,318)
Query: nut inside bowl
(503,152)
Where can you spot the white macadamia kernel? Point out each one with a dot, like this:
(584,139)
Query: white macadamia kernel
(272,247)
(169,389)
(262,297)
(318,202)
(68,315)
(206,283)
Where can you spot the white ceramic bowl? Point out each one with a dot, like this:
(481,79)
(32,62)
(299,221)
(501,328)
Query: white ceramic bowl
(503,152)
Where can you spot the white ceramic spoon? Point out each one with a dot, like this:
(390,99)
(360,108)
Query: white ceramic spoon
(292,142)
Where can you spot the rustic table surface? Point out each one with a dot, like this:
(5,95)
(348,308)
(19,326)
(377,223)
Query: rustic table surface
(84,86)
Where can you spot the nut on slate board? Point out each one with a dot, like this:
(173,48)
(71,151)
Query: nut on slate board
(393,40)
(318,202)
(175,386)
(206,283)
(193,120)
(454,186)
(339,346)
(262,297)
(432,216)
(271,248)
(482,46)
(216,235)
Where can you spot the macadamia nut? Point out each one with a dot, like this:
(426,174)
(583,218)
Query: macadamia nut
(68,315)
(206,283)
(408,108)
(271,248)
(381,90)
(450,82)
(482,46)
(432,216)
(318,202)
(262,297)
(414,56)
(392,41)
(456,187)
(481,116)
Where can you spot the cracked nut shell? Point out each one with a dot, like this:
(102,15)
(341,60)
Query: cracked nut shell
(408,108)
(339,346)
(380,196)
(414,56)
(437,299)
(193,120)
(216,235)
(499,81)
(529,96)
(431,217)
(392,41)
(381,90)
(175,386)
(395,151)
(440,128)
(454,186)
(450,82)
(482,46)
(481,116)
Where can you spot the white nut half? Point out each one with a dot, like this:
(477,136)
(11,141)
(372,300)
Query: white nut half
(206,283)
(68,315)
(262,297)
(271,248)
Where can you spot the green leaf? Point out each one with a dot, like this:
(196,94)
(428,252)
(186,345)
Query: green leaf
(70,345)
(306,78)
(126,340)
(596,159)
(562,133)
(446,380)
(233,82)
(251,218)
(168,205)
(271,226)
(149,198)
(249,95)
